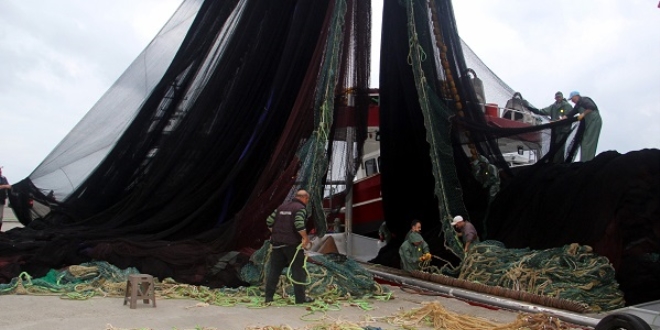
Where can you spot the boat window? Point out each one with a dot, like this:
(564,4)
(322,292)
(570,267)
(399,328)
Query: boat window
(370,166)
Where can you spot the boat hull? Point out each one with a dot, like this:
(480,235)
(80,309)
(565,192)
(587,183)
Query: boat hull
(367,207)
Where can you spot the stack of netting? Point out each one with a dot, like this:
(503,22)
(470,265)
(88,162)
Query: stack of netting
(345,277)
(76,282)
(571,272)
(328,275)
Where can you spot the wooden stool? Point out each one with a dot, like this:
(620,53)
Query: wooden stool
(140,286)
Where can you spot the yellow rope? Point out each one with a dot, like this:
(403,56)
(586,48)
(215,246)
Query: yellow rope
(110,327)
(288,272)
(433,314)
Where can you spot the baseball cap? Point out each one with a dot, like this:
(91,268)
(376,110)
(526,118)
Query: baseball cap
(456,220)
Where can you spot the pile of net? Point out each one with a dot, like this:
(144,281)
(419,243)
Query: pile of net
(572,272)
(75,282)
(329,275)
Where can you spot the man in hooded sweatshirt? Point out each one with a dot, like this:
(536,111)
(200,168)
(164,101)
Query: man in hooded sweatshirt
(414,249)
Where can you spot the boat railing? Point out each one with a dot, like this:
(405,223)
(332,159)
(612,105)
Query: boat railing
(510,113)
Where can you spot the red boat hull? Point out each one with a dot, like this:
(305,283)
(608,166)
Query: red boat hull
(367,208)
(534,137)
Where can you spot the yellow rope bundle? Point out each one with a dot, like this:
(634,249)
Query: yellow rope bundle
(110,327)
(435,315)
(20,289)
(80,271)
(570,272)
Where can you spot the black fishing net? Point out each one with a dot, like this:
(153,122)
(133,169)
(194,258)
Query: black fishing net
(235,104)
(542,206)
(227,111)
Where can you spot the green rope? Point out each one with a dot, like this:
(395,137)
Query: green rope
(571,272)
(313,152)
(288,271)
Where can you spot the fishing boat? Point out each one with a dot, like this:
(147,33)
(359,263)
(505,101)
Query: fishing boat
(357,207)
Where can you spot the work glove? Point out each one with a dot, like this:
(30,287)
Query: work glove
(425,256)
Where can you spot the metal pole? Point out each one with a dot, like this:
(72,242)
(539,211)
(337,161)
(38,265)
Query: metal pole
(348,216)
(487,299)
(348,220)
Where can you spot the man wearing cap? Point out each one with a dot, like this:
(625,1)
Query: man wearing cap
(555,111)
(414,249)
(466,231)
(587,109)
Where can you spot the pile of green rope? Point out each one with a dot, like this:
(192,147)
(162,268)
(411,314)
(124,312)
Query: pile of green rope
(75,282)
(332,281)
(571,272)
(330,277)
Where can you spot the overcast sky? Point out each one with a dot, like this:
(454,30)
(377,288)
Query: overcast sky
(57,59)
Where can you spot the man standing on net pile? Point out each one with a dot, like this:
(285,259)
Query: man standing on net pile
(556,111)
(587,109)
(287,227)
(466,231)
(4,188)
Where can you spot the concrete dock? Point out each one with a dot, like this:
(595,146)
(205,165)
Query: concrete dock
(27,312)
(31,312)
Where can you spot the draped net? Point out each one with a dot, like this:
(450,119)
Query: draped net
(235,104)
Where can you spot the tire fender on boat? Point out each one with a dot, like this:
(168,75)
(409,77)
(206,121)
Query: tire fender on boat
(622,321)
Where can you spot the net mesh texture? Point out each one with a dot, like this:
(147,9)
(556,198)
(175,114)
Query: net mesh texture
(236,104)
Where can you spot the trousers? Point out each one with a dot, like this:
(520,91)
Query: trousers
(591,133)
(280,258)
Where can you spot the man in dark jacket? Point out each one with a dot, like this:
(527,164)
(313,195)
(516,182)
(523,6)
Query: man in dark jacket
(588,110)
(466,231)
(287,227)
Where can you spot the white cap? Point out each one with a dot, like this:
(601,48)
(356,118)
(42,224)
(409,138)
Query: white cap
(456,220)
